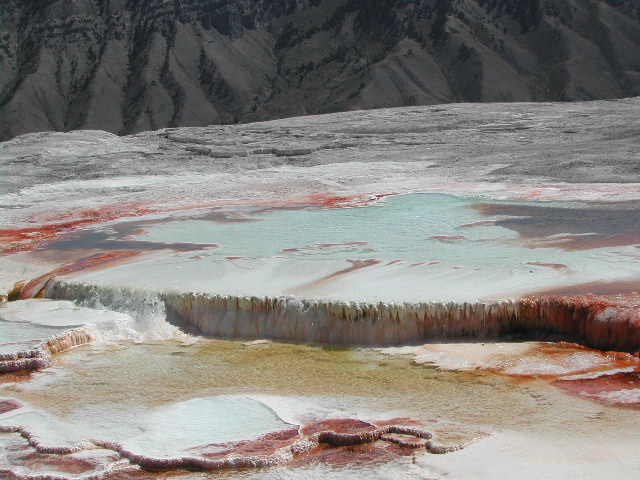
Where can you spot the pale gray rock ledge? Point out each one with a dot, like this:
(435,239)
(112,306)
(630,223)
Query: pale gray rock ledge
(377,151)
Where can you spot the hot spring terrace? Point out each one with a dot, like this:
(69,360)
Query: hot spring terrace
(394,270)
(481,261)
(407,270)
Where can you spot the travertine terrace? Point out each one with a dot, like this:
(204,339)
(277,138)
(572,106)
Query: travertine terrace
(548,152)
(397,226)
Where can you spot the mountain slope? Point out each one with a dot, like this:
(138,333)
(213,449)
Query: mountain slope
(125,66)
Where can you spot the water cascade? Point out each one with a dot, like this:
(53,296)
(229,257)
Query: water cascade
(604,322)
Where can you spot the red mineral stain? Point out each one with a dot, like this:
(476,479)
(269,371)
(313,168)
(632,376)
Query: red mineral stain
(559,353)
(9,405)
(266,445)
(393,262)
(358,264)
(337,442)
(594,288)
(334,442)
(405,421)
(584,242)
(355,265)
(34,288)
(29,238)
(607,322)
(26,239)
(15,377)
(346,244)
(481,223)
(619,389)
(234,258)
(358,456)
(136,232)
(133,472)
(328,200)
(263,445)
(555,266)
(36,461)
(324,246)
(341,425)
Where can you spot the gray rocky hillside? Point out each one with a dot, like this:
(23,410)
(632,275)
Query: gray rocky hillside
(130,65)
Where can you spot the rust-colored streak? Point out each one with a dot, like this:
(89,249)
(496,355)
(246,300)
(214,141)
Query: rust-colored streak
(27,239)
(289,447)
(67,464)
(324,246)
(619,389)
(393,262)
(555,266)
(585,242)
(266,444)
(329,200)
(135,233)
(363,456)
(346,244)
(593,288)
(343,425)
(335,442)
(355,265)
(480,223)
(9,405)
(405,421)
(34,288)
(603,321)
(30,238)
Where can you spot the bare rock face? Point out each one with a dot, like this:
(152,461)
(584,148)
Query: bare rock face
(125,66)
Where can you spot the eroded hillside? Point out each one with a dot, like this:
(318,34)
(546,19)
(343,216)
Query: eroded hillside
(125,66)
